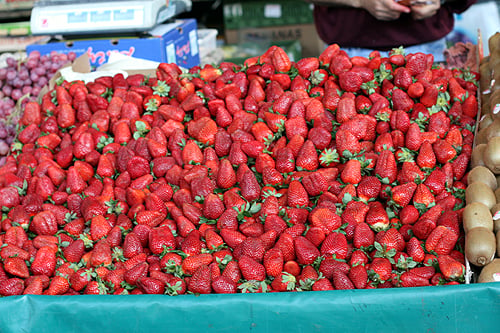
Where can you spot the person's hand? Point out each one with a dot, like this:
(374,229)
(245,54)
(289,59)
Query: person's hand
(423,11)
(384,10)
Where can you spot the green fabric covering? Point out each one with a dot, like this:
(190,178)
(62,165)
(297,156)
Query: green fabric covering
(463,308)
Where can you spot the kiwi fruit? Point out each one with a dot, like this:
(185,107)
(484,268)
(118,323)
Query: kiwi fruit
(493,130)
(482,174)
(476,214)
(494,42)
(497,193)
(481,136)
(491,154)
(480,246)
(485,121)
(480,192)
(490,272)
(477,155)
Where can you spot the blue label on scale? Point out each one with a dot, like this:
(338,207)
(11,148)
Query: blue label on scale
(123,15)
(77,17)
(100,16)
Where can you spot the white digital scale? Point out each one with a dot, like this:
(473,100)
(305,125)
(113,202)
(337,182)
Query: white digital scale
(62,17)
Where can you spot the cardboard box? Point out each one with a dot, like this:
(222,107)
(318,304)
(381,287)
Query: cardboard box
(175,42)
(311,44)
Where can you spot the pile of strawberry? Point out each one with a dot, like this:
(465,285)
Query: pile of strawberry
(334,172)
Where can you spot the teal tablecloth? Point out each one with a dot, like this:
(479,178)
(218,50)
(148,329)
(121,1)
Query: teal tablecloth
(463,308)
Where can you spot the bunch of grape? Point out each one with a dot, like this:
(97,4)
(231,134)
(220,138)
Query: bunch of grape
(21,80)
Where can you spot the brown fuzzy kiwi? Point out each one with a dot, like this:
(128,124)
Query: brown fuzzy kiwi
(491,155)
(490,272)
(482,174)
(475,215)
(480,246)
(480,192)
(477,155)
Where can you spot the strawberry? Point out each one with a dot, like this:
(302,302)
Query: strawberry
(451,269)
(11,287)
(403,194)
(358,276)
(377,217)
(341,281)
(351,174)
(380,270)
(401,100)
(74,251)
(369,188)
(423,196)
(426,157)
(307,157)
(346,110)
(386,167)
(350,81)
(306,251)
(224,285)
(441,240)
(44,262)
(326,219)
(251,269)
(456,91)
(297,195)
(250,188)
(413,138)
(17,267)
(416,63)
(273,262)
(328,266)
(335,244)
(200,282)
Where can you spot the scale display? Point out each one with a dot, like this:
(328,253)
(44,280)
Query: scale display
(94,17)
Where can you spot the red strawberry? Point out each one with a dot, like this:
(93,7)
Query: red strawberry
(335,244)
(386,167)
(403,194)
(451,269)
(350,81)
(307,157)
(273,262)
(200,282)
(415,250)
(224,285)
(297,195)
(11,287)
(377,217)
(351,174)
(369,188)
(426,157)
(305,250)
(16,267)
(359,276)
(413,138)
(341,281)
(44,262)
(441,240)
(251,269)
(326,219)
(380,270)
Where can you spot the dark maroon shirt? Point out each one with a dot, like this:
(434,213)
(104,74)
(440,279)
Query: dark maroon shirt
(352,27)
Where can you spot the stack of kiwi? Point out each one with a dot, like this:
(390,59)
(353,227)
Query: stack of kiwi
(481,215)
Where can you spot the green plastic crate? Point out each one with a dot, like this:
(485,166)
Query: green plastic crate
(254,14)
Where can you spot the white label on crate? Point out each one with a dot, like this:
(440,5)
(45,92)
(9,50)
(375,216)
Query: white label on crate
(171,53)
(193,40)
(272,11)
(496,109)
(496,277)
